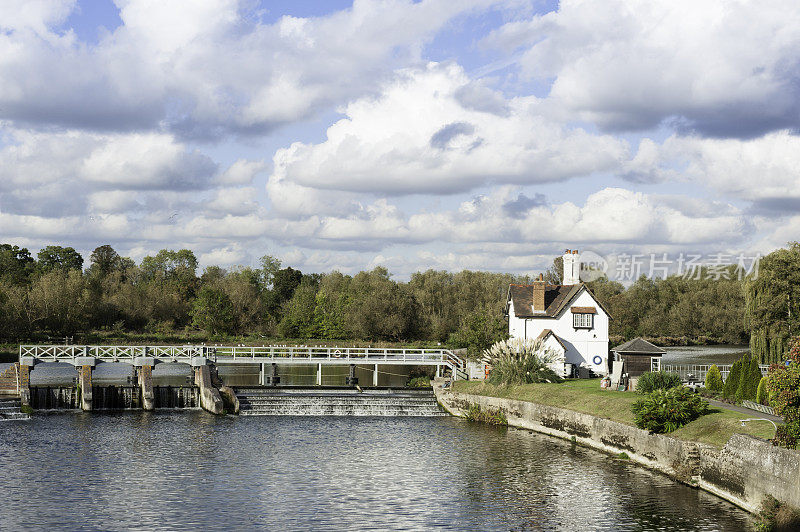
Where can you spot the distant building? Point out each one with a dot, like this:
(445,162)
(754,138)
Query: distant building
(640,356)
(567,317)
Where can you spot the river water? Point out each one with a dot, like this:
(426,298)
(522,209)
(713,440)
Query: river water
(191,470)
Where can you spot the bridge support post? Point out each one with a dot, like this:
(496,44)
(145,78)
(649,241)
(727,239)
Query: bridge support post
(375,376)
(319,374)
(25,381)
(85,384)
(273,377)
(352,380)
(261,375)
(438,370)
(145,374)
(210,400)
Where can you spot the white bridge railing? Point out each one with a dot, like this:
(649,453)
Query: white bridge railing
(244,355)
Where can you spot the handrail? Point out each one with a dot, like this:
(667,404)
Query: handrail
(243,353)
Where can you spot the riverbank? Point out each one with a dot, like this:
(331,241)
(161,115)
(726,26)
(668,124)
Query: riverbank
(742,469)
(586,396)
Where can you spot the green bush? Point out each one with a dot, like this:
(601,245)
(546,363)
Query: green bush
(788,435)
(419,382)
(518,361)
(490,416)
(762,396)
(753,380)
(657,380)
(714,381)
(749,377)
(732,382)
(667,410)
(776,516)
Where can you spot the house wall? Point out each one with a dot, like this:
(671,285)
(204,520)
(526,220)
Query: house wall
(582,345)
(635,365)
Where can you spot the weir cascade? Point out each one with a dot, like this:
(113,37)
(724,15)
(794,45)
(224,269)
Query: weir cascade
(257,401)
(10,409)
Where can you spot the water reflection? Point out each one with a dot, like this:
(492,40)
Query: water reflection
(191,470)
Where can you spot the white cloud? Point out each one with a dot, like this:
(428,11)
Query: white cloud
(726,68)
(764,170)
(417,137)
(205,71)
(137,161)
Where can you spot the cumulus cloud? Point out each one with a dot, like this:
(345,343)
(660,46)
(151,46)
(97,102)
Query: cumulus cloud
(205,71)
(417,137)
(721,68)
(765,170)
(136,161)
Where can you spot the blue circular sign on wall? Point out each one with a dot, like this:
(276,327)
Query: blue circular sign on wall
(597,360)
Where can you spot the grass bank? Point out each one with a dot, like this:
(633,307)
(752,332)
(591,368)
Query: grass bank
(586,396)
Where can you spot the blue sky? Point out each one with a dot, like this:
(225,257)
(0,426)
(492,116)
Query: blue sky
(478,134)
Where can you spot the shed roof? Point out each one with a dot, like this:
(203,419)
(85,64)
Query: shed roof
(639,346)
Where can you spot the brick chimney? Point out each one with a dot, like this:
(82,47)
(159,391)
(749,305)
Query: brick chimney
(538,294)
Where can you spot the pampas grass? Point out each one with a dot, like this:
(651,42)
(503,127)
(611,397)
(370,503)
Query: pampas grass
(517,361)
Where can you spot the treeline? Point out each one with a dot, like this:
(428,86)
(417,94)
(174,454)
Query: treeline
(54,294)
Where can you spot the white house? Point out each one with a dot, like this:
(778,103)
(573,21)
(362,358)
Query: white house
(568,317)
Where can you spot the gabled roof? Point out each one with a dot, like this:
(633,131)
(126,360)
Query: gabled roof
(556,298)
(639,346)
(547,332)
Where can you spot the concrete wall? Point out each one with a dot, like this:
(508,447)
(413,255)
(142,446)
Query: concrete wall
(743,472)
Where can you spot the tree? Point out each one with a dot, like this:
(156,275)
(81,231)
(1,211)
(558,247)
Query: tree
(732,382)
(773,303)
(59,302)
(714,379)
(269,268)
(783,386)
(478,332)
(555,274)
(213,311)
(284,283)
(16,264)
(59,258)
(298,313)
(104,260)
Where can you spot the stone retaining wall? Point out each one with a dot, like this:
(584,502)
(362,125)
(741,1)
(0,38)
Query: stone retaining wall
(743,472)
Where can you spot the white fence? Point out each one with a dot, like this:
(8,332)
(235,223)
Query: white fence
(699,371)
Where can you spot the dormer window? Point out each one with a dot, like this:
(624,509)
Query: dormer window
(583,317)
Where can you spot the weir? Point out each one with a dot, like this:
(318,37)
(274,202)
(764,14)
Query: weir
(210,392)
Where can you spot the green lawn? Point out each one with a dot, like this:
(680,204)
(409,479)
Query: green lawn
(586,396)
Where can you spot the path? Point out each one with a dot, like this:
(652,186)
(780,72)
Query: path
(743,410)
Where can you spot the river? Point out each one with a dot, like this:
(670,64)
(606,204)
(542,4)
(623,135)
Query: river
(191,470)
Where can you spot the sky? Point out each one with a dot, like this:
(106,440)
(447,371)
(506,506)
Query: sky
(339,135)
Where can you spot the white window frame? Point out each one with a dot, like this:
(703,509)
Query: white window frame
(655,364)
(583,320)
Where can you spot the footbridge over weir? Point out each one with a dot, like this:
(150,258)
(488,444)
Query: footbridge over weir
(202,357)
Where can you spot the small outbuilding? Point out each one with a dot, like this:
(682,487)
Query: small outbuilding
(639,356)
